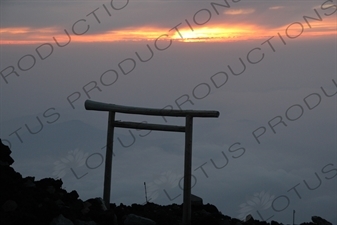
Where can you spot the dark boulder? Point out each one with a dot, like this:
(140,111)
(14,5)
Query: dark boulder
(133,219)
(5,158)
(196,200)
(320,221)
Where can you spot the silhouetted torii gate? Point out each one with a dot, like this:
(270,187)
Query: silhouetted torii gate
(188,114)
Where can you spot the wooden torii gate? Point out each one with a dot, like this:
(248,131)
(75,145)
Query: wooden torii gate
(188,128)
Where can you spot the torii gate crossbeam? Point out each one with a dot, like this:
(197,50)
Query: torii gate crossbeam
(188,128)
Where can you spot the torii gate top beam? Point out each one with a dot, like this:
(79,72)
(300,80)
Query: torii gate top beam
(99,106)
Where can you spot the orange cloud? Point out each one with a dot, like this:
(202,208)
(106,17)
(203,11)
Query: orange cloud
(27,35)
(211,33)
(327,27)
(14,30)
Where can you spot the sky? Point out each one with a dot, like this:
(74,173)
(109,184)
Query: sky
(268,67)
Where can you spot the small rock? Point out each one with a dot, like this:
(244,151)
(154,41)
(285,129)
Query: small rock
(210,208)
(86,207)
(132,219)
(9,206)
(45,182)
(103,206)
(61,220)
(225,222)
(59,203)
(97,204)
(274,223)
(29,182)
(204,213)
(72,196)
(195,200)
(5,158)
(50,189)
(80,222)
(249,217)
(320,221)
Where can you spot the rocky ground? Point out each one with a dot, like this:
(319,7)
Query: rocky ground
(26,201)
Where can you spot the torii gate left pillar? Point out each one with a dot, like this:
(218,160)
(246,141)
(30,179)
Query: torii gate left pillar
(188,129)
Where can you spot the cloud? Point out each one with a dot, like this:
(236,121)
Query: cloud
(239,12)
(276,7)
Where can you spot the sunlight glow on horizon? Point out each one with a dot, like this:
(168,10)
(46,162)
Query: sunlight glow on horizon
(211,33)
(219,33)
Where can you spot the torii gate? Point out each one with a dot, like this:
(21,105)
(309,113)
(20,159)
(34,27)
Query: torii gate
(112,123)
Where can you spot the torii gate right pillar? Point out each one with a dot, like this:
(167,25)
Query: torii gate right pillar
(187,171)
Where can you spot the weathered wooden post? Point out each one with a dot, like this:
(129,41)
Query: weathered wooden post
(108,159)
(188,128)
(187,170)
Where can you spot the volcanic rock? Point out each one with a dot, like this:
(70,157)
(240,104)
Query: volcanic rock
(45,202)
(9,206)
(320,221)
(274,223)
(195,200)
(61,220)
(5,158)
(132,219)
